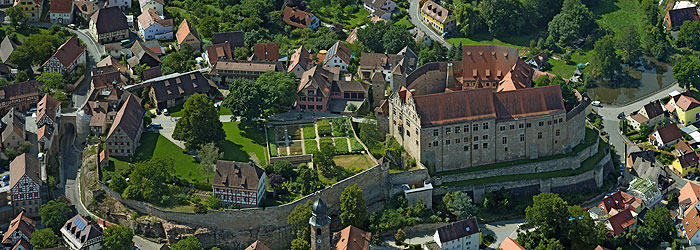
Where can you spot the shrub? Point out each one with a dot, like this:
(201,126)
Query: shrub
(324,128)
(309,131)
(340,127)
(311,147)
(341,145)
(273,150)
(355,145)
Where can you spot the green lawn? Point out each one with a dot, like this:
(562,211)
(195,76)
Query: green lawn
(353,162)
(355,145)
(517,41)
(341,145)
(309,131)
(157,146)
(405,22)
(567,70)
(311,146)
(243,143)
(618,14)
(358,18)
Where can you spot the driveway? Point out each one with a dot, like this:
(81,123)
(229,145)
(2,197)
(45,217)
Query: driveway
(414,13)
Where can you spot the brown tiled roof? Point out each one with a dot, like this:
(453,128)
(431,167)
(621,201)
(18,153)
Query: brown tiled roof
(459,229)
(301,57)
(151,73)
(47,106)
(510,244)
(487,62)
(352,37)
(686,102)
(378,61)
(151,17)
(113,46)
(21,223)
(691,222)
(618,201)
(689,159)
(352,238)
(22,244)
(653,109)
(240,175)
(178,85)
(459,106)
(338,49)
(519,77)
(678,16)
(235,39)
(109,19)
(140,50)
(105,80)
(318,77)
(435,11)
(86,7)
(68,53)
(266,51)
(129,118)
(245,66)
(297,18)
(185,29)
(217,51)
(19,90)
(639,118)
(668,133)
(25,164)
(684,147)
(621,221)
(257,245)
(353,86)
(110,61)
(61,6)
(690,192)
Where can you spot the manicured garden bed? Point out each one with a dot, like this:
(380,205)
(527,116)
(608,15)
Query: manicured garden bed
(309,131)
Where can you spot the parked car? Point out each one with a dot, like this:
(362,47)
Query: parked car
(156,125)
(621,115)
(596,103)
(165,112)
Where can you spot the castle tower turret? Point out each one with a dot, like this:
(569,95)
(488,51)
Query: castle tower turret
(320,226)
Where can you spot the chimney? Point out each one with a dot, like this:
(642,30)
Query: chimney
(449,76)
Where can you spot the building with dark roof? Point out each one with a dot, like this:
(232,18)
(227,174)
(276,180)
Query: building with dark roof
(234,39)
(239,183)
(665,136)
(21,95)
(300,19)
(300,62)
(621,222)
(320,87)
(12,129)
(141,54)
(466,128)
(406,60)
(67,57)
(216,52)
(109,25)
(47,121)
(674,18)
(151,73)
(61,12)
(124,135)
(6,48)
(26,184)
(651,114)
(81,233)
(174,89)
(460,235)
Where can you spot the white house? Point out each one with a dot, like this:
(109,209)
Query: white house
(338,56)
(651,114)
(80,234)
(67,57)
(122,4)
(152,4)
(665,136)
(460,235)
(380,8)
(153,26)
(61,12)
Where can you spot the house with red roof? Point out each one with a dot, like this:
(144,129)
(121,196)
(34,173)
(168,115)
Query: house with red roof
(665,136)
(300,19)
(67,57)
(621,222)
(19,230)
(684,108)
(124,136)
(187,34)
(338,56)
(47,114)
(61,12)
(651,114)
(25,183)
(153,26)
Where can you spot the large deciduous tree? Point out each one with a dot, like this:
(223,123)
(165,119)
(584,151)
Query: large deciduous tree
(396,38)
(208,155)
(468,19)
(16,15)
(544,10)
(459,204)
(352,207)
(44,238)
(245,99)
(270,92)
(688,35)
(657,227)
(629,43)
(50,80)
(53,214)
(299,220)
(149,179)
(189,243)
(504,17)
(371,36)
(117,238)
(199,123)
(687,72)
(606,63)
(573,22)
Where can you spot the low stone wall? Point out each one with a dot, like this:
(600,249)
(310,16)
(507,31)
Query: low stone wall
(410,177)
(571,162)
(581,182)
(268,224)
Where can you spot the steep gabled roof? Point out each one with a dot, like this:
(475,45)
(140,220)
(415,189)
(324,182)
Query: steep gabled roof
(678,16)
(185,29)
(13,122)
(301,57)
(297,18)
(266,51)
(622,221)
(109,19)
(129,118)
(47,106)
(150,17)
(338,49)
(179,85)
(668,133)
(20,223)
(25,164)
(68,53)
(459,229)
(217,51)
(81,229)
(653,109)
(352,238)
(61,6)
(689,192)
(241,175)
(319,77)
(510,244)
(436,11)
(6,48)
(234,38)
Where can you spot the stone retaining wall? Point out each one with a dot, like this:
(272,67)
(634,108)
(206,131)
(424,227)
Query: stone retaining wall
(571,162)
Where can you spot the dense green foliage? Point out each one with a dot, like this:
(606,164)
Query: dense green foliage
(459,204)
(151,181)
(352,207)
(44,238)
(37,48)
(189,243)
(117,237)
(54,214)
(199,123)
(688,35)
(299,220)
(687,72)
(606,62)
(398,214)
(574,22)
(265,96)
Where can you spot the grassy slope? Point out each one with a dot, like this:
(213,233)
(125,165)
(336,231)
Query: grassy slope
(241,143)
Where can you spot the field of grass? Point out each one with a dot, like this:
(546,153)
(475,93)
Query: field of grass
(405,22)
(243,143)
(517,41)
(358,18)
(311,146)
(353,162)
(341,145)
(309,131)
(560,68)
(325,140)
(157,146)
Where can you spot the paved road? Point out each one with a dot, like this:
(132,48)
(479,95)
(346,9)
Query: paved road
(95,51)
(414,13)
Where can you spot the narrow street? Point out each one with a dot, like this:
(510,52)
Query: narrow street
(414,13)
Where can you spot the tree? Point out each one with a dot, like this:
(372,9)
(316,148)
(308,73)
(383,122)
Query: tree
(44,238)
(189,243)
(22,76)
(548,212)
(606,62)
(307,182)
(199,123)
(688,35)
(567,93)
(149,180)
(276,182)
(650,12)
(459,204)
(400,236)
(372,36)
(550,244)
(687,72)
(503,17)
(241,53)
(628,42)
(208,25)
(208,155)
(573,22)
(17,16)
(655,43)
(468,19)
(544,10)
(180,61)
(280,88)
(323,159)
(396,38)
(54,214)
(644,130)
(300,244)
(299,220)
(435,53)
(118,183)
(245,99)
(282,168)
(36,49)
(352,207)
(118,237)
(51,80)
(212,202)
(658,227)
(583,232)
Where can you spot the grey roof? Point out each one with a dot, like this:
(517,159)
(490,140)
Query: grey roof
(81,229)
(458,229)
(319,214)
(6,48)
(13,121)
(235,38)
(109,20)
(643,163)
(179,85)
